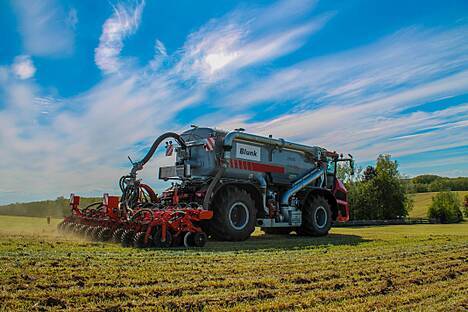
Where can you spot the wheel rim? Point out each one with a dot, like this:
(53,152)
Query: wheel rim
(239,216)
(321,217)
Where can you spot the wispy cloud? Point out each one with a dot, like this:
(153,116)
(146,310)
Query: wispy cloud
(240,40)
(124,22)
(386,67)
(45,27)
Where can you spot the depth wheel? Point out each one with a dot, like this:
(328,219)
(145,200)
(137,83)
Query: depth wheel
(77,230)
(104,234)
(117,235)
(88,232)
(139,240)
(188,240)
(95,233)
(158,239)
(69,228)
(127,238)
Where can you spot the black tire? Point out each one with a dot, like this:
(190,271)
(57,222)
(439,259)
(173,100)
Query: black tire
(199,239)
(104,234)
(234,215)
(127,238)
(157,239)
(188,240)
(278,230)
(117,235)
(316,217)
(139,240)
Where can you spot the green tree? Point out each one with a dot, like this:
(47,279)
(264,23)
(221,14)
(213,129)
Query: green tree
(383,196)
(445,208)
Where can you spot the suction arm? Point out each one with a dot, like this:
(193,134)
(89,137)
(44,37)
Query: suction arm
(139,165)
(129,184)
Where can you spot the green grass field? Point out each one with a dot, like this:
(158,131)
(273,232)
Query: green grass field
(422,201)
(417,267)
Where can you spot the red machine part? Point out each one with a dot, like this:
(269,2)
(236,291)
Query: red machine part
(172,220)
(343,206)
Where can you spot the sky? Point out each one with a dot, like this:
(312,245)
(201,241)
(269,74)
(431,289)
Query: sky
(84,84)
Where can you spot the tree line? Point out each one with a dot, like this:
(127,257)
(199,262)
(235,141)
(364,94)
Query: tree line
(434,183)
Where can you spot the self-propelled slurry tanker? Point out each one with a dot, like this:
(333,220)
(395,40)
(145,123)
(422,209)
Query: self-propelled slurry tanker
(224,185)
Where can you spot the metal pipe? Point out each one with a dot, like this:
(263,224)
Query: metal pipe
(231,136)
(300,184)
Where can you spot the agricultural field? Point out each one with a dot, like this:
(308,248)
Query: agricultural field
(422,201)
(417,267)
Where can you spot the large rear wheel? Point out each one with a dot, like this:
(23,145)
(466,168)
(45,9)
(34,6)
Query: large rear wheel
(316,217)
(234,215)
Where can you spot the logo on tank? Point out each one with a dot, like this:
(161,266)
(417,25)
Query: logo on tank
(249,152)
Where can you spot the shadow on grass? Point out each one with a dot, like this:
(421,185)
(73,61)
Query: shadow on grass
(284,242)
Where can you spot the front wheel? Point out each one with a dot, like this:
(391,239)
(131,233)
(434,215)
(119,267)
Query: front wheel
(234,215)
(316,217)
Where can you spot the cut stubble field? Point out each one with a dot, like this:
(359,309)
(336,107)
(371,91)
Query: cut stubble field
(407,267)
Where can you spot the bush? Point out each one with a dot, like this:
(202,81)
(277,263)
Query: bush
(445,208)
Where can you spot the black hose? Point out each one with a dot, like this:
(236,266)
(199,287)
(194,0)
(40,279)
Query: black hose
(128,184)
(214,182)
(156,144)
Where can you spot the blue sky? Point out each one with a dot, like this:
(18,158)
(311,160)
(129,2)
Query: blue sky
(83,84)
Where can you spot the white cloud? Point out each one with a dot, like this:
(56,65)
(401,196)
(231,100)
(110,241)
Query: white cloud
(23,67)
(44,27)
(383,68)
(123,23)
(245,38)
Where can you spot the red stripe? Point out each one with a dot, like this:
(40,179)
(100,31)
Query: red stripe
(247,165)
(267,168)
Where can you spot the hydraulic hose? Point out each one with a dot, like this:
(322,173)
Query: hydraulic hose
(139,212)
(129,185)
(156,144)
